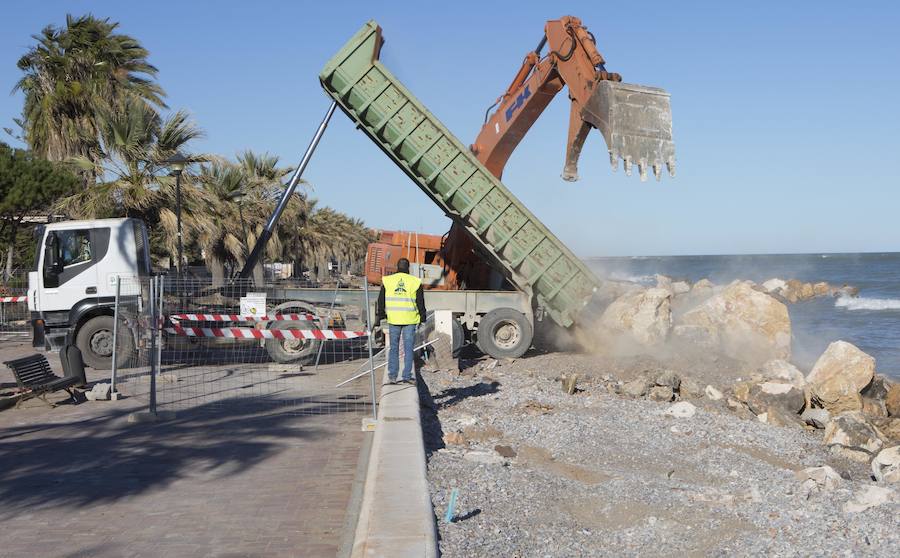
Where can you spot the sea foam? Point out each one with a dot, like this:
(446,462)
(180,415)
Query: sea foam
(863,303)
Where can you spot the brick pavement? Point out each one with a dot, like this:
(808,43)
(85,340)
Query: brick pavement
(228,480)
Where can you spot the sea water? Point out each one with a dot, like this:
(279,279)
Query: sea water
(870,321)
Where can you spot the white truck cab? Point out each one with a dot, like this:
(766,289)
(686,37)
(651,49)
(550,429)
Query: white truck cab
(71,292)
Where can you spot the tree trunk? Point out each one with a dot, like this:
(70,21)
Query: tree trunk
(7,273)
(322,270)
(258,275)
(217,269)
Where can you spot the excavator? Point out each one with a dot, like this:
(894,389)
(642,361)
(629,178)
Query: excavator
(634,120)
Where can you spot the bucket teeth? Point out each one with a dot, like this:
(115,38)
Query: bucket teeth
(636,123)
(614,161)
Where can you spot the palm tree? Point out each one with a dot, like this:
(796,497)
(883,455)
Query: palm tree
(75,74)
(134,145)
(223,243)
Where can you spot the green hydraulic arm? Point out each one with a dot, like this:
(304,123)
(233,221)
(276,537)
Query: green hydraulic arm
(521,247)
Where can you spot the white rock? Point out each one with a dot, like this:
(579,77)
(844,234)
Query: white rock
(100,392)
(886,465)
(818,418)
(824,477)
(869,497)
(680,287)
(713,393)
(774,285)
(775,388)
(466,420)
(682,409)
(486,457)
(782,370)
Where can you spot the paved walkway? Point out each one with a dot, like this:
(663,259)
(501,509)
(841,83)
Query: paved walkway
(241,480)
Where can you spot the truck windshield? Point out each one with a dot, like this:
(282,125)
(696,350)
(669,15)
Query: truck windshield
(74,247)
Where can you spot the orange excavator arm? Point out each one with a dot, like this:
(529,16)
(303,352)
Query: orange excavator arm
(634,120)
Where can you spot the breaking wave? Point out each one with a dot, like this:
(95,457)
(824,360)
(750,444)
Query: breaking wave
(642,279)
(863,303)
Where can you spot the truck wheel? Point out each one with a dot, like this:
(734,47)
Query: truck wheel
(504,333)
(95,341)
(292,350)
(459,337)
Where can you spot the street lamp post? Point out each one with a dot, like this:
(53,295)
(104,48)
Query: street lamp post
(177,163)
(238,196)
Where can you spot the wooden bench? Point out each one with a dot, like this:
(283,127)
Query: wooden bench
(36,379)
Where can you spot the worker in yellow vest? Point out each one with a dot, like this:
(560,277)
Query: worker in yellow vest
(401,302)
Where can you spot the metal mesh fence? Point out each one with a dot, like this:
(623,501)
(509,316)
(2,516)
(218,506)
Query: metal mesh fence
(277,346)
(14,314)
(134,338)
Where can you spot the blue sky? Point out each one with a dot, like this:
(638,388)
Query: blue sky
(785,113)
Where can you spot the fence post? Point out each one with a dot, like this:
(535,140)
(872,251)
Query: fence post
(330,314)
(369,336)
(112,378)
(152,303)
(160,320)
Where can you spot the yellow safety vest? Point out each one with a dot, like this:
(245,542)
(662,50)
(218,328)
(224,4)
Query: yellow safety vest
(400,298)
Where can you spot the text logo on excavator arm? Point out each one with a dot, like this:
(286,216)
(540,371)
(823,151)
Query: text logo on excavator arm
(520,100)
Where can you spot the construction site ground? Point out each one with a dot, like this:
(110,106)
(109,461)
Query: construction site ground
(231,480)
(540,472)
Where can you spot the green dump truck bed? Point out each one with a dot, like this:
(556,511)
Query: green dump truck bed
(527,253)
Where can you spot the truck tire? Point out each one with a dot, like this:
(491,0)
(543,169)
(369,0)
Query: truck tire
(504,333)
(95,339)
(459,337)
(295,350)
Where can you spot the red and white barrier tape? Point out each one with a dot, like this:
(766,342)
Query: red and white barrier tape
(237,318)
(252,333)
(13,299)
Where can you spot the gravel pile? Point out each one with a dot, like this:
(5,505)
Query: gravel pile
(544,473)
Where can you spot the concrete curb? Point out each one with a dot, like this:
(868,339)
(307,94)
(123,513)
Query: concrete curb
(396,518)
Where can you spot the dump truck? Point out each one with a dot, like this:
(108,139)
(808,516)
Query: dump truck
(634,120)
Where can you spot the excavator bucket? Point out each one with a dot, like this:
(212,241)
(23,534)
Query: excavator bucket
(636,122)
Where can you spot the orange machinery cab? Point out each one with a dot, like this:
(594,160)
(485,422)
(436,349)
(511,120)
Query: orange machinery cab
(422,250)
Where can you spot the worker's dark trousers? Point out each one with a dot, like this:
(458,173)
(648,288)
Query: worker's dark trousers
(407,335)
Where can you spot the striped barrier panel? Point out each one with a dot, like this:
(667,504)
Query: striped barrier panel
(13,299)
(252,333)
(238,318)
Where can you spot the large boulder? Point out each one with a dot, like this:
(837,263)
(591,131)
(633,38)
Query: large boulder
(839,376)
(645,316)
(748,324)
(852,436)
